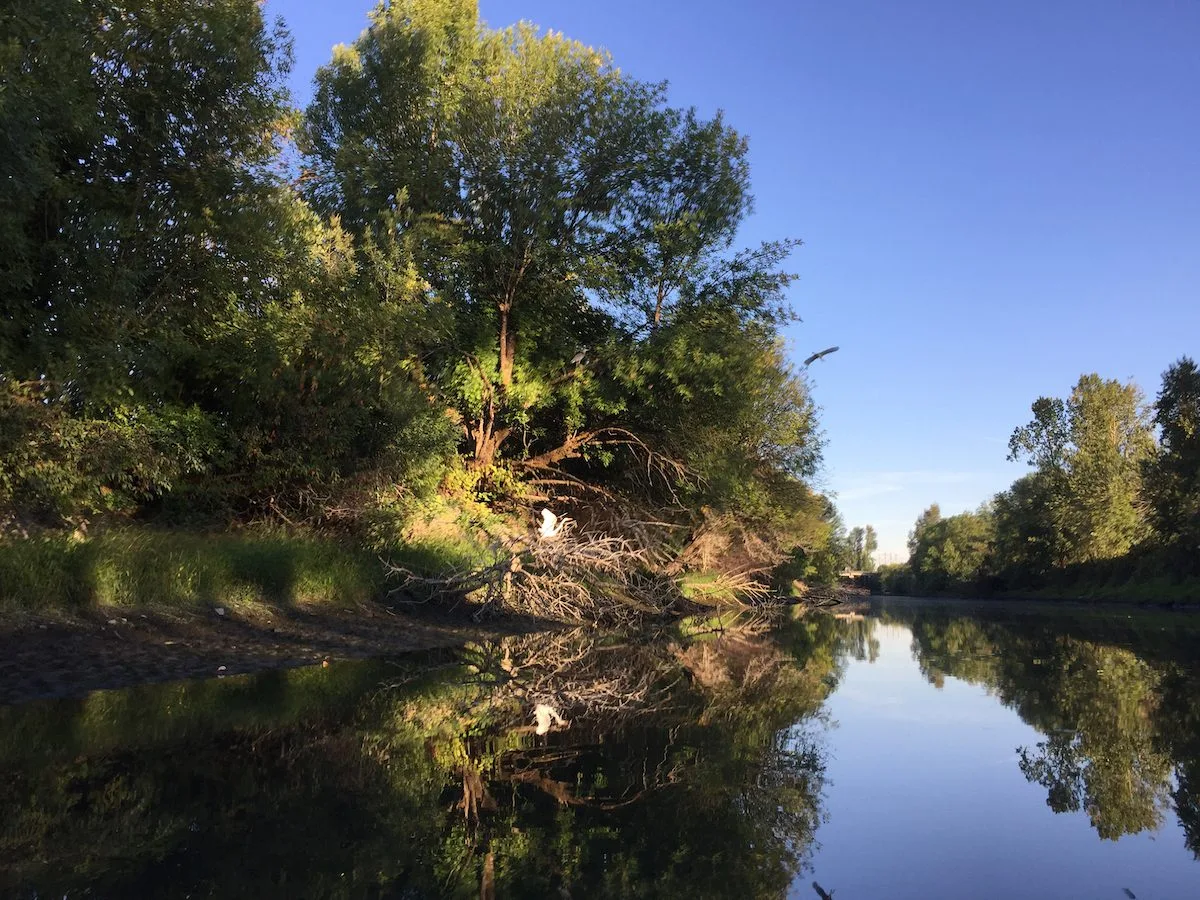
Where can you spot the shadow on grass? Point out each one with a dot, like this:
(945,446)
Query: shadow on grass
(144,569)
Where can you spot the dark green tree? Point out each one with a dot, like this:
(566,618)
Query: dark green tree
(558,206)
(1027,541)
(1172,476)
(930,516)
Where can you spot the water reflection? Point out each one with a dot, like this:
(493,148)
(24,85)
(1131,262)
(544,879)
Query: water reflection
(1114,696)
(688,767)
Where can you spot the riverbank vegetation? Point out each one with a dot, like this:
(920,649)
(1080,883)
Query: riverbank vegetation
(1110,510)
(485,271)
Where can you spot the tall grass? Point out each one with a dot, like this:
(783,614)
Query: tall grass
(172,571)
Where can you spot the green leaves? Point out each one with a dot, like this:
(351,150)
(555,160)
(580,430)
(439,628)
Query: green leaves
(1172,477)
(1089,449)
(498,243)
(141,182)
(953,551)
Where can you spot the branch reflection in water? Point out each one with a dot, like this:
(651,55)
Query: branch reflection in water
(684,764)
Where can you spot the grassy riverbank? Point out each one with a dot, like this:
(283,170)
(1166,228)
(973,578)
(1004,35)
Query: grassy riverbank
(181,572)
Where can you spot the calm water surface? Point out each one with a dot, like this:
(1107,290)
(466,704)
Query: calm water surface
(927,750)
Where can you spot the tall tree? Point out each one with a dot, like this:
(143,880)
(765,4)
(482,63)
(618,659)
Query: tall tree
(136,202)
(856,540)
(870,545)
(1172,476)
(1028,543)
(1091,448)
(862,543)
(552,196)
(137,208)
(929,517)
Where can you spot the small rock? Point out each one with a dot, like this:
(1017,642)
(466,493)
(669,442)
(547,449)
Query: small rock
(112,621)
(220,610)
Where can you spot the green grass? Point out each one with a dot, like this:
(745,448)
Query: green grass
(439,554)
(178,572)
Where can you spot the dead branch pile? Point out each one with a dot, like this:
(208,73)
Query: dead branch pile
(580,576)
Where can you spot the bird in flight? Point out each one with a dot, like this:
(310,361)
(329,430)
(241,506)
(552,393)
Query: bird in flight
(812,359)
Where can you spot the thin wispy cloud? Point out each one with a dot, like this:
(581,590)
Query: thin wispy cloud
(864,485)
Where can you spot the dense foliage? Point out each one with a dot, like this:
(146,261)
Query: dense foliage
(482,258)
(1105,505)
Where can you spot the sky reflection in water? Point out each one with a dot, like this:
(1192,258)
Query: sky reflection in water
(927,751)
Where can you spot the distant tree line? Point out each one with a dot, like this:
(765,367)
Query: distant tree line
(481,259)
(1113,498)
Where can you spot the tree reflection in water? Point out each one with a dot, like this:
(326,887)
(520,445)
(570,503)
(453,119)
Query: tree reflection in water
(688,766)
(1116,697)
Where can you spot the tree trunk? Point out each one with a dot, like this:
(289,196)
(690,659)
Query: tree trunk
(508,347)
(488,438)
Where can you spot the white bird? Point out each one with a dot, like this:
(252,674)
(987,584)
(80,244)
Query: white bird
(544,714)
(552,526)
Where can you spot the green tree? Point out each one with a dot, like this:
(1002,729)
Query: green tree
(173,318)
(870,545)
(136,207)
(953,551)
(136,199)
(929,517)
(862,543)
(1027,540)
(855,541)
(1090,449)
(557,205)
(1172,476)
(574,236)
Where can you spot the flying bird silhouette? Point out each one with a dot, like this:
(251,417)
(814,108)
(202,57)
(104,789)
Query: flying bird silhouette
(812,359)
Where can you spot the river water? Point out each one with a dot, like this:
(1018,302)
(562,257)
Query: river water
(926,750)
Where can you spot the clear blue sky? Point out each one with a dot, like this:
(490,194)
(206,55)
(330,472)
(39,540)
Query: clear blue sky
(994,199)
